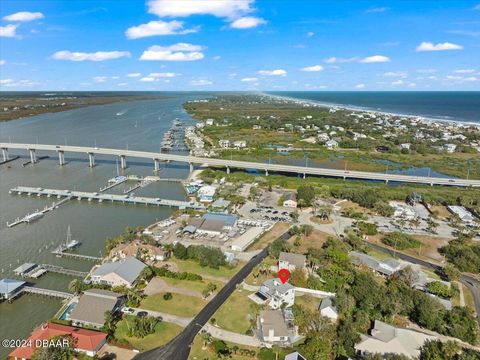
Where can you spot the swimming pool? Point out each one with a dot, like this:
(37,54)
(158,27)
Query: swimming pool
(67,311)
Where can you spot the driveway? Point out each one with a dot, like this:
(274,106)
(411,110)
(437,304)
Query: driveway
(232,336)
(179,320)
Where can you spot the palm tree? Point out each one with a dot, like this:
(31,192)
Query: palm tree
(76,286)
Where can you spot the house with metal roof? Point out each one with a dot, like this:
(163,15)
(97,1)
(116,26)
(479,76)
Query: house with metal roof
(119,273)
(92,305)
(387,339)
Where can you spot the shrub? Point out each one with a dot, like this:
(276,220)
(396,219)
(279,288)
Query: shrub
(167,296)
(401,241)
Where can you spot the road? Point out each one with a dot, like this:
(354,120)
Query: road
(469,281)
(305,170)
(179,347)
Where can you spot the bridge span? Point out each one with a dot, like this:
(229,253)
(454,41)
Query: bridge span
(228,164)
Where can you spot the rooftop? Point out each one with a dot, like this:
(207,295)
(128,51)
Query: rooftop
(128,269)
(93,304)
(298,260)
(8,285)
(273,320)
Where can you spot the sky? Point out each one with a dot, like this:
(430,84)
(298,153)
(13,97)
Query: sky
(339,45)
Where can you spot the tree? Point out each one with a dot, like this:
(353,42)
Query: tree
(64,352)
(167,296)
(180,251)
(142,326)
(77,286)
(133,297)
(305,194)
(306,230)
(452,272)
(110,324)
(210,288)
(220,348)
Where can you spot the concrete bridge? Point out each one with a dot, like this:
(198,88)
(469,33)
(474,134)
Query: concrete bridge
(228,164)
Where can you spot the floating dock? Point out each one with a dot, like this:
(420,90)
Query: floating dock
(100,197)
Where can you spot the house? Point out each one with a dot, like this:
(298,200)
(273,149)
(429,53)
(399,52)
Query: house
(272,327)
(240,144)
(10,288)
(327,309)
(450,148)
(385,267)
(209,122)
(92,305)
(387,339)
(463,214)
(291,261)
(85,341)
(290,200)
(295,356)
(248,237)
(120,273)
(224,143)
(276,294)
(206,193)
(323,137)
(405,146)
(331,144)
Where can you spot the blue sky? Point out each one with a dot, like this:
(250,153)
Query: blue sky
(239,45)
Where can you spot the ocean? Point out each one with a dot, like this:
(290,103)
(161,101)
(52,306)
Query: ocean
(463,106)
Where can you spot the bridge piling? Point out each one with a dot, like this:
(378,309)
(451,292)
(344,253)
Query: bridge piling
(91,159)
(156,165)
(33,156)
(191,167)
(228,169)
(266,172)
(61,157)
(5,154)
(123,162)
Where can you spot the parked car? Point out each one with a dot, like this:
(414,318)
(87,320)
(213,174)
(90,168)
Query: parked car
(127,310)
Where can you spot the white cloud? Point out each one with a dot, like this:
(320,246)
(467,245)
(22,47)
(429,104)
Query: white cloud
(100,79)
(375,59)
(134,75)
(220,8)
(218,57)
(310,33)
(19,83)
(148,79)
(176,52)
(249,79)
(122,84)
(377,10)
(96,56)
(276,72)
(8,30)
(400,74)
(428,46)
(247,22)
(360,86)
(471,78)
(464,71)
(24,16)
(6,81)
(2,62)
(159,27)
(398,82)
(476,7)
(426,71)
(335,60)
(163,75)
(312,68)
(200,82)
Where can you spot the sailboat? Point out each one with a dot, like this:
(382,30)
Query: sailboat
(69,243)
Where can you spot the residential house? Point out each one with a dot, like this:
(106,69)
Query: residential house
(209,122)
(273,328)
(88,342)
(92,305)
(385,267)
(224,143)
(327,309)
(450,148)
(290,200)
(276,294)
(291,261)
(295,356)
(331,144)
(405,146)
(387,339)
(240,144)
(120,273)
(256,127)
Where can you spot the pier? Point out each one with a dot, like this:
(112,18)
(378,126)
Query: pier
(100,197)
(61,270)
(32,270)
(63,253)
(46,292)
(38,214)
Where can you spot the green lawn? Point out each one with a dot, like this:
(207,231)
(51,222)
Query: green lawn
(194,267)
(308,301)
(235,313)
(193,285)
(164,332)
(181,305)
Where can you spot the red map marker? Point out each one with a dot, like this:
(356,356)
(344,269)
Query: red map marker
(283,275)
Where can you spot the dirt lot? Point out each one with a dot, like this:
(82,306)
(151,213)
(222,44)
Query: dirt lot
(315,240)
(442,211)
(277,230)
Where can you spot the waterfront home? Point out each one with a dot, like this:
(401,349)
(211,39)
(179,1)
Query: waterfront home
(290,200)
(327,309)
(10,288)
(291,261)
(120,273)
(275,294)
(85,341)
(92,305)
(331,144)
(387,339)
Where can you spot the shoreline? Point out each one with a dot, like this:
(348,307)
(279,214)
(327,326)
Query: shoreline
(371,111)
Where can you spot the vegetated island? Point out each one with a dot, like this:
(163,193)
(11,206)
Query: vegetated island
(19,105)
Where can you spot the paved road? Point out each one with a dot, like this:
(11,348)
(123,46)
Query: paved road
(61,149)
(469,281)
(179,347)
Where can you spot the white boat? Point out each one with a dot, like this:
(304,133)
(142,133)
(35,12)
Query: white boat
(33,216)
(69,243)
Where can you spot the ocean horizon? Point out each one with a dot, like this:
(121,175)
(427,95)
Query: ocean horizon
(461,106)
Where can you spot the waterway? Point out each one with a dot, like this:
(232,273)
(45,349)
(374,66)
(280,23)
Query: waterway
(139,125)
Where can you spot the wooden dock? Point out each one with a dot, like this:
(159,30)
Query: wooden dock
(46,292)
(64,271)
(63,253)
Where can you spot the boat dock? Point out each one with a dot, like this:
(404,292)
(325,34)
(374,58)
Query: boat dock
(38,214)
(46,292)
(32,270)
(63,253)
(100,197)
(112,185)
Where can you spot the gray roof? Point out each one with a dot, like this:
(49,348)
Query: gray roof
(383,331)
(221,203)
(274,285)
(290,196)
(8,285)
(295,356)
(358,258)
(93,304)
(128,269)
(325,303)
(298,260)
(273,319)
